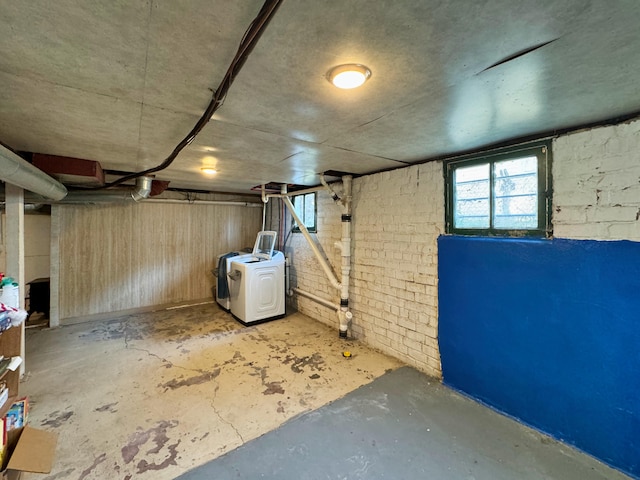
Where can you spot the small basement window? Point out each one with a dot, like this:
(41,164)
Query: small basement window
(305,206)
(507,192)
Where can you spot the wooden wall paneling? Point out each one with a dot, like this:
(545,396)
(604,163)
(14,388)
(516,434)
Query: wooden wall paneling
(124,256)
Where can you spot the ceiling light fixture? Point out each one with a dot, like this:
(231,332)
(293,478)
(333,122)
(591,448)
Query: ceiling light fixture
(208,170)
(350,75)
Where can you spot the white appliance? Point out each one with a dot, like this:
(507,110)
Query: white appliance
(256,282)
(222,280)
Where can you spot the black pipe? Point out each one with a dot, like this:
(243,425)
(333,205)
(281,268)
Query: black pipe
(249,41)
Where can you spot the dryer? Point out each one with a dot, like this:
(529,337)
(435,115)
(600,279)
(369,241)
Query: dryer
(256,282)
(222,281)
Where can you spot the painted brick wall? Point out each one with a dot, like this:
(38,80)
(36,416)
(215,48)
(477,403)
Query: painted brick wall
(536,347)
(397,217)
(596,178)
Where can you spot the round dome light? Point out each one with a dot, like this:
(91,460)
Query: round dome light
(349,75)
(208,170)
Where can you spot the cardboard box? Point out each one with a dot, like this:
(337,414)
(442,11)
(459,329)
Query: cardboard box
(28,450)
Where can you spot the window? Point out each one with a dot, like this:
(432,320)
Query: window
(305,206)
(507,192)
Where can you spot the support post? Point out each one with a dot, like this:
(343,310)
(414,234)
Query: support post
(15,248)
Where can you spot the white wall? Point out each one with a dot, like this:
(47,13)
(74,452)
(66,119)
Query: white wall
(37,230)
(398,216)
(37,233)
(596,176)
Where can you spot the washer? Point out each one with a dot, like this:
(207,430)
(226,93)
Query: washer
(256,283)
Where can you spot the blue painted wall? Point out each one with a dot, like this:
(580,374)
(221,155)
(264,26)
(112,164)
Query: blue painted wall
(547,331)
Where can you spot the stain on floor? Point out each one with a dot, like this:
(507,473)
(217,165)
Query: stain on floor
(298,364)
(156,436)
(150,396)
(56,419)
(189,381)
(110,407)
(86,472)
(273,387)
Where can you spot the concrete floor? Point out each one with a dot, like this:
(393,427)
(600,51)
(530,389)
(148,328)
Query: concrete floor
(404,426)
(155,395)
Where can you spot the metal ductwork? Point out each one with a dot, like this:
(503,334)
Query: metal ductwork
(143,188)
(17,171)
(137,193)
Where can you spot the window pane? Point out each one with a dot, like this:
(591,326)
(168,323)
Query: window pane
(305,207)
(515,192)
(471,194)
(298,206)
(309,210)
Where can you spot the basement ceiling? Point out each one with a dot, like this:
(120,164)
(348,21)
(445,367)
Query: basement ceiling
(122,82)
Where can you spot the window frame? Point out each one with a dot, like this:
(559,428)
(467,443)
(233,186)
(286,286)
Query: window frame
(314,229)
(542,151)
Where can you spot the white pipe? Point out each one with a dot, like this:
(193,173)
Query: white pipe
(17,171)
(264,215)
(319,188)
(323,261)
(203,202)
(287,273)
(317,299)
(345,315)
(265,200)
(267,196)
(334,195)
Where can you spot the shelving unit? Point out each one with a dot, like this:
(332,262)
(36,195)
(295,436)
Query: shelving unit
(10,347)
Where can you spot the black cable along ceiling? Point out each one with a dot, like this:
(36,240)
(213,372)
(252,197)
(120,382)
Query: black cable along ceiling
(248,42)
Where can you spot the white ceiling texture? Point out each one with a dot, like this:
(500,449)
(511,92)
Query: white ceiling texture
(123,82)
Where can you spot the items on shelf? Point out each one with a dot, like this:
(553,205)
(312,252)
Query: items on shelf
(16,417)
(15,315)
(9,292)
(4,393)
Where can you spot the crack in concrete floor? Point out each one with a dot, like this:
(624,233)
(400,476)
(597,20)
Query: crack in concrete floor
(216,383)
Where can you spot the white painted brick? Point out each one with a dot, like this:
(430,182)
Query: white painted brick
(576,215)
(420,338)
(624,196)
(612,214)
(596,179)
(430,350)
(574,198)
(398,216)
(586,231)
(623,231)
(429,331)
(405,322)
